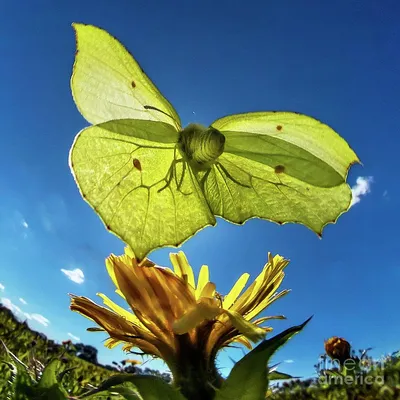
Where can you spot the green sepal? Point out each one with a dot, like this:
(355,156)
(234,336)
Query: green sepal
(248,379)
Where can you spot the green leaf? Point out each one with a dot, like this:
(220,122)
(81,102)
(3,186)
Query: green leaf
(154,388)
(149,387)
(48,387)
(22,387)
(66,371)
(127,393)
(22,384)
(154,184)
(276,375)
(248,379)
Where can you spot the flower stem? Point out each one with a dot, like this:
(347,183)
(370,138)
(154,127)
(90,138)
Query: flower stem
(194,373)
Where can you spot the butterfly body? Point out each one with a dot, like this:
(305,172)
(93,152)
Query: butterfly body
(201,146)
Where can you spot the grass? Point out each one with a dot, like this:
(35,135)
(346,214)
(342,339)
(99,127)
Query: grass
(36,350)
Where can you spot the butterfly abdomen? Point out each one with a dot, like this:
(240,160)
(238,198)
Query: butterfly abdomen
(201,146)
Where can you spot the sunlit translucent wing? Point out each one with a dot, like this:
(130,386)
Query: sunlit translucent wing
(148,207)
(154,184)
(280,166)
(292,143)
(107,83)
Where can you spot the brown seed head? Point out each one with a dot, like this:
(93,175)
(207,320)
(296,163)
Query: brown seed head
(338,349)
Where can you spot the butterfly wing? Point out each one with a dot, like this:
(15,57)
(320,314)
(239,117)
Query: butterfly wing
(279,166)
(130,172)
(107,83)
(127,166)
(302,146)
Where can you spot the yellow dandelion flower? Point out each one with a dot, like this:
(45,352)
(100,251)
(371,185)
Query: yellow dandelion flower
(180,321)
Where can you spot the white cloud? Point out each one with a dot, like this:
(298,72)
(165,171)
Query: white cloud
(7,303)
(76,275)
(73,336)
(18,224)
(17,309)
(2,287)
(39,318)
(361,188)
(10,305)
(289,361)
(23,301)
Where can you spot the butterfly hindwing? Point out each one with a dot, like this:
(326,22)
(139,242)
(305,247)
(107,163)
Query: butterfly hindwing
(142,190)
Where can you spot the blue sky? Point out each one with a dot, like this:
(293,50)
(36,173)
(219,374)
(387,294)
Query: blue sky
(337,62)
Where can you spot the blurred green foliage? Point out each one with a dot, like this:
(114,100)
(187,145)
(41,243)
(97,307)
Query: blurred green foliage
(370,380)
(34,349)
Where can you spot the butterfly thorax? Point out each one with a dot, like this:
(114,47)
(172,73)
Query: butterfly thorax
(200,145)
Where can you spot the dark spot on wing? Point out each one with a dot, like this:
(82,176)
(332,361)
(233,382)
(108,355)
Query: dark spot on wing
(136,164)
(279,127)
(133,84)
(108,227)
(280,222)
(279,169)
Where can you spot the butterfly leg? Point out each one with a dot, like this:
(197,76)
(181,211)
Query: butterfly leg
(180,181)
(168,177)
(172,174)
(222,169)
